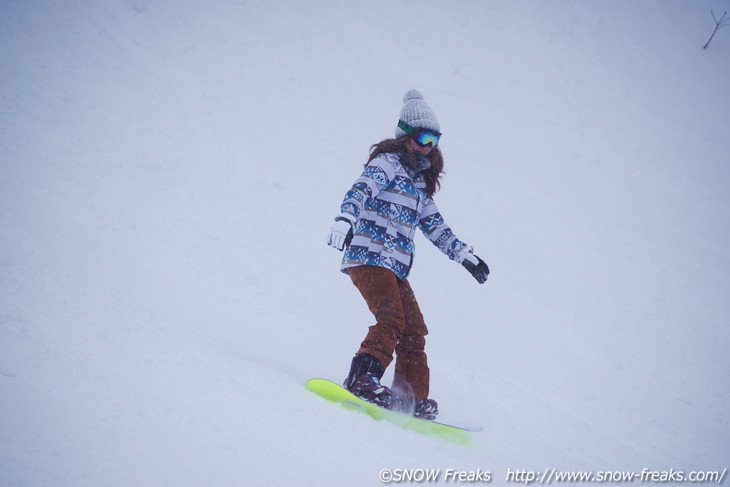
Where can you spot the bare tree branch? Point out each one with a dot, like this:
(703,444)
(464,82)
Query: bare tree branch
(718,23)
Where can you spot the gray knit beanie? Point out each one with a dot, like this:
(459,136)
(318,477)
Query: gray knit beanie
(417,113)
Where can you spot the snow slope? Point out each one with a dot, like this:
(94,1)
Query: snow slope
(169,174)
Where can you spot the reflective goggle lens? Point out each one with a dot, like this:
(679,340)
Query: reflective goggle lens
(427,138)
(422,137)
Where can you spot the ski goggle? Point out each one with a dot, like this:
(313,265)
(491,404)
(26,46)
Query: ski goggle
(423,137)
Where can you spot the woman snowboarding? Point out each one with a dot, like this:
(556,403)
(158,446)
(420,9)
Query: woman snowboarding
(375,228)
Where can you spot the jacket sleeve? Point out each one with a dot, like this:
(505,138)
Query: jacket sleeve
(434,227)
(377,175)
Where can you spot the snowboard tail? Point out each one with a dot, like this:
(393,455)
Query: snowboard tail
(336,393)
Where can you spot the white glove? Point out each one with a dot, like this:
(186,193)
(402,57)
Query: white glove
(471,258)
(340,234)
(466,253)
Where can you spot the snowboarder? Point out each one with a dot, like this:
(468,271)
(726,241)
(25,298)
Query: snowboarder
(375,228)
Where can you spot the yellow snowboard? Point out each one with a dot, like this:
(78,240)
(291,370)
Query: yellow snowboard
(336,393)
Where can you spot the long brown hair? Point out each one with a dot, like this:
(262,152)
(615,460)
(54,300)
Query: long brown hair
(401,146)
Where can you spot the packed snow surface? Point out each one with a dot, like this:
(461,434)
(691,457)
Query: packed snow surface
(169,172)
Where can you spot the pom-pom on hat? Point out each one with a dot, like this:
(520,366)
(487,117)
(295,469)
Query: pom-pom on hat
(417,113)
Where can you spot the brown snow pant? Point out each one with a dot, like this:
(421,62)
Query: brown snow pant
(399,328)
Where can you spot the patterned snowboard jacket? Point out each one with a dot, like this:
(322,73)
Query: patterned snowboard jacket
(385,205)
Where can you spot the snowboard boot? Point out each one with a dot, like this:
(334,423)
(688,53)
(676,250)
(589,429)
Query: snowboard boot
(426,409)
(364,380)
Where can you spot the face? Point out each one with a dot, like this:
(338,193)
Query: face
(424,151)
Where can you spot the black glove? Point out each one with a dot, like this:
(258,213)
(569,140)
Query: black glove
(476,267)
